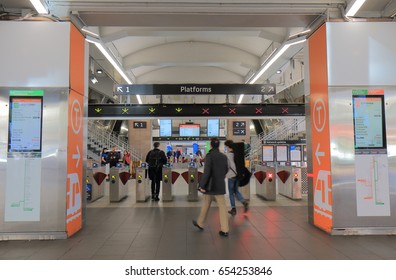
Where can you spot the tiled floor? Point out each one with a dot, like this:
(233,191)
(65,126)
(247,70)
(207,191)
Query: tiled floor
(146,231)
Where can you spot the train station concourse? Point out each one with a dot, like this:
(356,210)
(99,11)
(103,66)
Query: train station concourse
(305,90)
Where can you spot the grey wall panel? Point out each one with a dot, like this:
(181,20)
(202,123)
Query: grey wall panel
(343,160)
(31,60)
(53,161)
(361,53)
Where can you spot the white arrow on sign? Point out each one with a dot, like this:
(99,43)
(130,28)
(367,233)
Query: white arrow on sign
(318,154)
(77,156)
(119,89)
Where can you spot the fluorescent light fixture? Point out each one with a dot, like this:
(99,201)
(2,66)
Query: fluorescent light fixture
(274,58)
(300,33)
(94,80)
(89,32)
(279,71)
(113,62)
(357,4)
(139,99)
(240,98)
(40,7)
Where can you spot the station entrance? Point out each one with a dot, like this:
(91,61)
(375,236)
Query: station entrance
(183,129)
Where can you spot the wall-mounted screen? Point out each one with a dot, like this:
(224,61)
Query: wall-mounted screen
(165,128)
(186,130)
(213,127)
(295,152)
(268,153)
(281,153)
(25,123)
(369,122)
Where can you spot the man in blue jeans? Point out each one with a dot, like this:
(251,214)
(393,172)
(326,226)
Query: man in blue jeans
(232,180)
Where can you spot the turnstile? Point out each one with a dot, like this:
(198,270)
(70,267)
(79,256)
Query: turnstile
(95,181)
(141,189)
(265,182)
(119,179)
(167,190)
(169,177)
(192,184)
(289,181)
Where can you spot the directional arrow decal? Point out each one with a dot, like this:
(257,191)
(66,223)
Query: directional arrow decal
(318,153)
(119,89)
(77,156)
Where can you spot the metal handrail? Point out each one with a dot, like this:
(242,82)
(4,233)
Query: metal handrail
(100,136)
(289,130)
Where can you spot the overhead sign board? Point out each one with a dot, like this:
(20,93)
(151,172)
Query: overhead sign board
(194,110)
(183,89)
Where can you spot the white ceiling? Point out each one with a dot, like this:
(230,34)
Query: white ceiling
(200,41)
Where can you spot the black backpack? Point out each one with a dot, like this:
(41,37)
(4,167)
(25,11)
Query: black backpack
(243,174)
(155,159)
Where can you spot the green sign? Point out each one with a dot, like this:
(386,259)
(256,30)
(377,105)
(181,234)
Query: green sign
(26,92)
(359,92)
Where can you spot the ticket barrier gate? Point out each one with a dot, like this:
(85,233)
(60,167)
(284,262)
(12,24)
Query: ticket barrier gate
(95,181)
(289,181)
(192,177)
(119,178)
(265,182)
(169,177)
(141,189)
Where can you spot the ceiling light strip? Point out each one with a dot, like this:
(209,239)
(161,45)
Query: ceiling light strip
(274,58)
(113,62)
(355,8)
(39,6)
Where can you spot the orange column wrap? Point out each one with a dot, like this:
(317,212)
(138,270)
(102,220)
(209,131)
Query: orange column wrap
(321,162)
(74,187)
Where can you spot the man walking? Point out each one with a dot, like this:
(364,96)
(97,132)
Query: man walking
(212,185)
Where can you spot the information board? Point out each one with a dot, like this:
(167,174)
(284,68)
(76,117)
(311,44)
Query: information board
(268,153)
(295,152)
(281,153)
(369,122)
(213,127)
(25,124)
(165,128)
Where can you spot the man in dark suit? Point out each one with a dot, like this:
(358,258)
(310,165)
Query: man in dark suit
(212,185)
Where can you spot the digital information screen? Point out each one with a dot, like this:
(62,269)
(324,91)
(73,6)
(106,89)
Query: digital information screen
(281,153)
(369,122)
(268,153)
(165,128)
(25,124)
(213,127)
(189,130)
(295,153)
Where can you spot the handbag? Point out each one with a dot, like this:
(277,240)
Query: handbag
(244,177)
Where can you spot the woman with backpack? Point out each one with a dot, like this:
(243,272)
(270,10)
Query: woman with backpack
(233,183)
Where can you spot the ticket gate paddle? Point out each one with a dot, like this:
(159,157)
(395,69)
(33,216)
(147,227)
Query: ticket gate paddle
(265,182)
(289,181)
(118,184)
(141,184)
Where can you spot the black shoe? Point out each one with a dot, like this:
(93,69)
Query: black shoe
(246,206)
(222,233)
(156,198)
(232,211)
(153,197)
(194,222)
